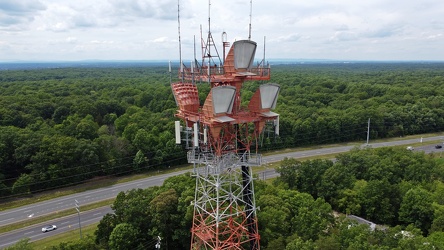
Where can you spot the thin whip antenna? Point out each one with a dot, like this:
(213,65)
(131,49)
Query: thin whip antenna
(209,16)
(178,29)
(264,54)
(195,48)
(251,14)
(193,64)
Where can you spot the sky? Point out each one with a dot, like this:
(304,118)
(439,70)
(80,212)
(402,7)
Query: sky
(74,30)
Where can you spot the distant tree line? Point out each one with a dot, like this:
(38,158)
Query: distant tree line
(64,126)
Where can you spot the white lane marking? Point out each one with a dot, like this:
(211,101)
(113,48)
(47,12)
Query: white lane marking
(29,233)
(97,214)
(7,219)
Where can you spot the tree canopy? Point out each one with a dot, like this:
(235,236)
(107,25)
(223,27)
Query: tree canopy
(64,126)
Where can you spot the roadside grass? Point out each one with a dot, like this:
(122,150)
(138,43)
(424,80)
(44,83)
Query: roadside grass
(86,186)
(275,165)
(70,236)
(58,214)
(290,150)
(109,181)
(358,143)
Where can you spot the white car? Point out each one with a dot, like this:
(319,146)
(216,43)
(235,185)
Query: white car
(49,228)
(410,148)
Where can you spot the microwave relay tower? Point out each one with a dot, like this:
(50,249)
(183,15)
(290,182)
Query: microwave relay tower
(222,138)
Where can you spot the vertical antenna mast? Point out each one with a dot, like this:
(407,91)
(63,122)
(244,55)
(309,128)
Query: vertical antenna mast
(208,40)
(180,42)
(209,50)
(251,13)
(209,16)
(264,54)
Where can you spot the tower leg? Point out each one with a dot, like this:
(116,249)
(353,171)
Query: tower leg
(249,204)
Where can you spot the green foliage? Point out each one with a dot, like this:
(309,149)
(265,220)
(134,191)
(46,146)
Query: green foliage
(124,236)
(164,211)
(104,230)
(330,103)
(416,208)
(22,185)
(86,243)
(385,185)
(119,111)
(438,218)
(22,244)
(139,160)
(303,176)
(285,213)
(48,117)
(288,219)
(300,244)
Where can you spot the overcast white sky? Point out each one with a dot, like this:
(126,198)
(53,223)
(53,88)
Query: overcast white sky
(148,29)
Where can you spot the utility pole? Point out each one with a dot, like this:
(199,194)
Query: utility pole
(78,212)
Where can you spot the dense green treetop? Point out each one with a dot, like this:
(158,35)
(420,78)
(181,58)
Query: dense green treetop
(62,126)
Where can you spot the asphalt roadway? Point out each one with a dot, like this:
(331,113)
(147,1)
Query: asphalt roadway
(88,217)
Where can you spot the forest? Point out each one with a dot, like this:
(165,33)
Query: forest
(305,208)
(65,126)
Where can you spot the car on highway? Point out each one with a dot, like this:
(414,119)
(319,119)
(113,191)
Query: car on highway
(49,228)
(410,148)
(438,146)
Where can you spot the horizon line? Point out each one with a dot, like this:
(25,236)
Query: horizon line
(186,60)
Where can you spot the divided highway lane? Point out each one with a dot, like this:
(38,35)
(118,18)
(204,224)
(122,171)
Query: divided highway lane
(67,202)
(89,217)
(64,224)
(342,149)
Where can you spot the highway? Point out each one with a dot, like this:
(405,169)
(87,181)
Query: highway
(64,224)
(93,196)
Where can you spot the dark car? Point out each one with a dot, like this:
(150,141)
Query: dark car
(438,146)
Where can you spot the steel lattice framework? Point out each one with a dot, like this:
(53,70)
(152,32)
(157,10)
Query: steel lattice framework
(222,138)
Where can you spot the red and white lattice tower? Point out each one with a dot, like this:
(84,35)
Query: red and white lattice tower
(222,138)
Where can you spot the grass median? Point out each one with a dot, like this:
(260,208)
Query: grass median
(70,236)
(59,214)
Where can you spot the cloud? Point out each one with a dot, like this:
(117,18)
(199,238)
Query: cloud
(434,36)
(18,7)
(71,39)
(15,13)
(147,29)
(287,38)
(343,36)
(165,9)
(342,27)
(387,31)
(7,20)
(101,42)
(161,39)
(62,16)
